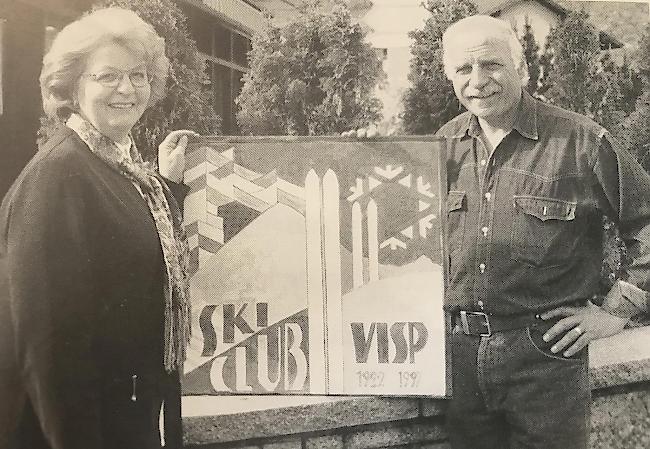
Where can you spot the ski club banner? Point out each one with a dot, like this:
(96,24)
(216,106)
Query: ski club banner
(317,266)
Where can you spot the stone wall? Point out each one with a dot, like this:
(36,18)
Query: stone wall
(620,375)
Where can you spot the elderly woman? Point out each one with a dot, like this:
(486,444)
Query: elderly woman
(96,254)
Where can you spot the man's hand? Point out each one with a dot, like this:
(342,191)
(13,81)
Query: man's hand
(171,154)
(580,326)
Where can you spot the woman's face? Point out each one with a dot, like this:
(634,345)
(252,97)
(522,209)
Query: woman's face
(113,90)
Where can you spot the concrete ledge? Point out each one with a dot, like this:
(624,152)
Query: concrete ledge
(395,436)
(620,376)
(620,360)
(298,418)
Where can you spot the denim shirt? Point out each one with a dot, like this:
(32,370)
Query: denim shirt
(524,223)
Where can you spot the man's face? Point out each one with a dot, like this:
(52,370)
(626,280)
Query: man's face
(485,78)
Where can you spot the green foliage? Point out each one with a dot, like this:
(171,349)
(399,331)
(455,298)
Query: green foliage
(532,56)
(634,130)
(621,87)
(430,101)
(614,255)
(188,103)
(575,48)
(315,75)
(581,78)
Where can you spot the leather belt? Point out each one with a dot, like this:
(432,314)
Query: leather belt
(481,324)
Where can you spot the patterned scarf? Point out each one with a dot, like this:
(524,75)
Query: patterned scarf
(173,240)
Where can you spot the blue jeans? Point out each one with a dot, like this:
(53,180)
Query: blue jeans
(511,392)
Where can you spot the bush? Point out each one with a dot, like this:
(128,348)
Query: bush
(572,57)
(315,75)
(430,101)
(532,56)
(634,131)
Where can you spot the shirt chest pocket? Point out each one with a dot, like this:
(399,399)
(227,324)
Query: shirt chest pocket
(543,230)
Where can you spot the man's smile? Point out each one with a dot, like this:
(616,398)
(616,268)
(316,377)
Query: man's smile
(482,96)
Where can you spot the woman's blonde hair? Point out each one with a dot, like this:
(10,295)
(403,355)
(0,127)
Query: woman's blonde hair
(65,61)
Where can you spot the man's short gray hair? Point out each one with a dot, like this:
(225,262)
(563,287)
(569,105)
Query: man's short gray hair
(492,29)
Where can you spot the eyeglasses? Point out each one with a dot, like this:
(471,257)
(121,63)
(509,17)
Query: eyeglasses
(113,78)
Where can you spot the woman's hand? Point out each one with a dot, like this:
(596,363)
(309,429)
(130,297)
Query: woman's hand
(171,154)
(579,326)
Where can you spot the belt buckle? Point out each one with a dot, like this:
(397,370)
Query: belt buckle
(465,323)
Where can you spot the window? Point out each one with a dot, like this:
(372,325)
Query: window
(222,48)
(228,62)
(225,50)
(240,47)
(200,29)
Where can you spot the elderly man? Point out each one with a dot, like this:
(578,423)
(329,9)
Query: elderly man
(528,184)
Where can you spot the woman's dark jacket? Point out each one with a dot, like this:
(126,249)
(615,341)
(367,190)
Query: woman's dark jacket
(83,313)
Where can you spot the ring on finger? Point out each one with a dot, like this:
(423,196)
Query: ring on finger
(578,330)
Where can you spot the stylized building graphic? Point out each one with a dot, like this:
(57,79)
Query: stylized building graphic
(224,197)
